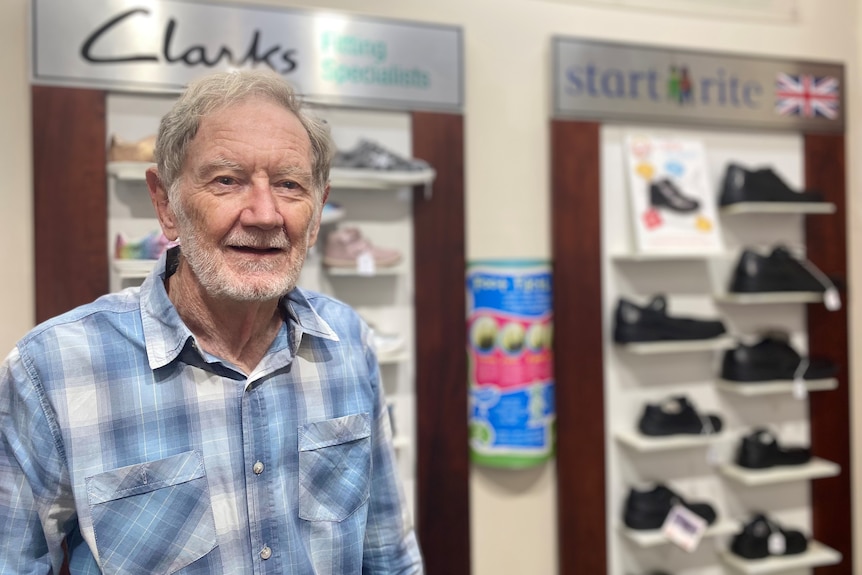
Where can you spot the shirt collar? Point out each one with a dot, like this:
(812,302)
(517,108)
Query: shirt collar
(165,334)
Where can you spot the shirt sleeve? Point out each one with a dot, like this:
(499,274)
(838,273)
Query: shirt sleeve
(391,547)
(35,497)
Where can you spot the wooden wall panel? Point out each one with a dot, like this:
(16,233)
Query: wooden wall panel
(578,337)
(826,245)
(443,505)
(69,195)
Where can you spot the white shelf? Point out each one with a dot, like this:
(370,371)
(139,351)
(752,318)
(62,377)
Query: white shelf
(129,171)
(817,555)
(775,387)
(655,537)
(660,257)
(395,270)
(815,469)
(647,443)
(393,358)
(379,179)
(778,208)
(770,297)
(132,269)
(644,348)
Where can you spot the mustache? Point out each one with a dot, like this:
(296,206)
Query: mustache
(275,239)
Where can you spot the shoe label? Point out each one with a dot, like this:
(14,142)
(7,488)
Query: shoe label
(684,527)
(365,264)
(776,543)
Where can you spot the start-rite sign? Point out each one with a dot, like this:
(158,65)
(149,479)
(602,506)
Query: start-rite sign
(160,45)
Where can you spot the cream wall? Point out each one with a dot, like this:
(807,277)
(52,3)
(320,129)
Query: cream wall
(507,106)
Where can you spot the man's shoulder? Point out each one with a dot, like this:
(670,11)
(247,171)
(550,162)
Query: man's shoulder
(106,310)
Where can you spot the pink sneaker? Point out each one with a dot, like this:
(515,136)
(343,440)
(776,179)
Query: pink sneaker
(345,247)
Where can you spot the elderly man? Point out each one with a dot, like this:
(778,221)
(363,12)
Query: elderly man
(218,419)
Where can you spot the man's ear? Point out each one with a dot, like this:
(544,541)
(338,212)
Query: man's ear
(164,211)
(314,228)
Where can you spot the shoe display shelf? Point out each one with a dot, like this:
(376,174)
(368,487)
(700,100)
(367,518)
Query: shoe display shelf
(682,346)
(129,171)
(655,537)
(769,298)
(817,555)
(777,387)
(817,468)
(647,443)
(778,208)
(396,270)
(345,178)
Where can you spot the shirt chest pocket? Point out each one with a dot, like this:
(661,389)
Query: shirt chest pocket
(334,467)
(154,517)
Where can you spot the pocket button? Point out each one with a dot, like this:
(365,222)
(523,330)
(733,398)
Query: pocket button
(257,467)
(265,553)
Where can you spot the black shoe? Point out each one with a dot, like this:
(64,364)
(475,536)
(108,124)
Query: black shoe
(648,509)
(764,185)
(664,194)
(633,323)
(759,450)
(753,541)
(772,358)
(676,416)
(777,272)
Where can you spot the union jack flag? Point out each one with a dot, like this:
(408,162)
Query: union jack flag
(806,95)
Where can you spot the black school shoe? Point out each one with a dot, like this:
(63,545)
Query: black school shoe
(760,449)
(633,323)
(753,541)
(676,416)
(648,509)
(664,194)
(777,272)
(763,185)
(772,358)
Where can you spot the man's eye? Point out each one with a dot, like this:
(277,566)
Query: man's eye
(225,180)
(289,185)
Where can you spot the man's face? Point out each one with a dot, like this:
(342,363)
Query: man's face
(246,212)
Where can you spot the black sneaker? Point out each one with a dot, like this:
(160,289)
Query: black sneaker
(763,185)
(648,509)
(772,358)
(633,323)
(777,272)
(760,450)
(753,542)
(664,194)
(676,416)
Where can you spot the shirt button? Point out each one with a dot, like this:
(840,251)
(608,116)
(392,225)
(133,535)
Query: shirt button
(257,467)
(265,553)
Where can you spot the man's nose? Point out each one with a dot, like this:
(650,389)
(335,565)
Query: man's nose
(261,207)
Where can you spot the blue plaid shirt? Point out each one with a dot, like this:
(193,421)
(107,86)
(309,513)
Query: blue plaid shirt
(148,455)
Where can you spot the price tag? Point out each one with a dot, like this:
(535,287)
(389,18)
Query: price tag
(684,528)
(365,264)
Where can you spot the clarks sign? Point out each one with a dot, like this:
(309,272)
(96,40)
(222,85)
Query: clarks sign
(160,45)
(623,82)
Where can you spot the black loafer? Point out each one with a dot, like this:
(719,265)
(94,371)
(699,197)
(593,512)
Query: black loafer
(763,185)
(753,541)
(759,450)
(772,358)
(676,416)
(648,509)
(664,194)
(777,272)
(633,323)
